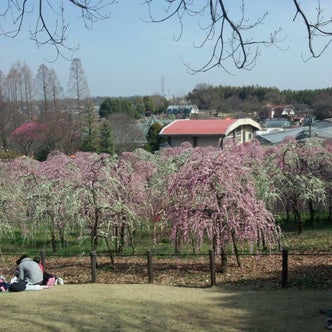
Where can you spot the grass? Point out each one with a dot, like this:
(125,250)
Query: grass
(131,308)
(317,237)
(145,307)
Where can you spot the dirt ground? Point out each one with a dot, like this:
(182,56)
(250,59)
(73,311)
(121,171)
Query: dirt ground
(147,307)
(256,272)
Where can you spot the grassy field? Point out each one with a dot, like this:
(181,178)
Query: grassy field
(96,307)
(318,237)
(174,304)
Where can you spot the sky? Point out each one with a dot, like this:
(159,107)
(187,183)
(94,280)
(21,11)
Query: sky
(125,55)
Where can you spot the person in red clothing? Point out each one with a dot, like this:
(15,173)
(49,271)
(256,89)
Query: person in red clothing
(37,260)
(48,279)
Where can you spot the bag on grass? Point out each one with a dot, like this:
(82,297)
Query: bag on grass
(4,285)
(49,279)
(17,286)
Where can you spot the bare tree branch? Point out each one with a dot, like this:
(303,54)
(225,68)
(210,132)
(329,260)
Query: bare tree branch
(315,29)
(234,38)
(50,25)
(231,34)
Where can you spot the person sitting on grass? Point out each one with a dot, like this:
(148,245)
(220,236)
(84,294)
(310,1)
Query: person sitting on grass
(48,279)
(29,271)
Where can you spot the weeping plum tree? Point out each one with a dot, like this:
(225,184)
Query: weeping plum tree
(167,162)
(16,198)
(95,187)
(214,195)
(297,169)
(133,171)
(327,176)
(253,155)
(111,194)
(56,197)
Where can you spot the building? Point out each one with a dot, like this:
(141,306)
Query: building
(320,129)
(211,132)
(271,111)
(183,111)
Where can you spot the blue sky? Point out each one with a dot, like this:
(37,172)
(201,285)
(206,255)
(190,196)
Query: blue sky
(125,56)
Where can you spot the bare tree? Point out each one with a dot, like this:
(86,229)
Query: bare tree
(12,94)
(27,89)
(24,85)
(127,136)
(42,86)
(4,114)
(77,84)
(56,88)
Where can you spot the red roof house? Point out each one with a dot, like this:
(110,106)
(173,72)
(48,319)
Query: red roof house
(212,132)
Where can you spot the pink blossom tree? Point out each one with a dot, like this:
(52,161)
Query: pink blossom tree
(213,194)
(29,137)
(56,198)
(327,176)
(94,187)
(133,173)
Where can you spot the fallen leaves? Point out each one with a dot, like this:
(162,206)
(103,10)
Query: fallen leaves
(256,272)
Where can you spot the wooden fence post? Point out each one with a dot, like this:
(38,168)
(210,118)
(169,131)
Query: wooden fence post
(284,280)
(43,258)
(212,268)
(150,267)
(93,256)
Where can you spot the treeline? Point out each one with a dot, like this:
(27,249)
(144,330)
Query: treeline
(248,99)
(135,106)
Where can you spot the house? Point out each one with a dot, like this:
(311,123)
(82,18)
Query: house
(183,111)
(320,129)
(277,123)
(211,132)
(276,137)
(271,111)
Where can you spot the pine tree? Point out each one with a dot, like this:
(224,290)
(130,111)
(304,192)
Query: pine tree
(106,138)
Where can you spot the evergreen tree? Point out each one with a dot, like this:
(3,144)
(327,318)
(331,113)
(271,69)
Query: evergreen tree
(91,138)
(153,139)
(106,138)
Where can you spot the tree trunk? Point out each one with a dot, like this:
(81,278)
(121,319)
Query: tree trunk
(53,241)
(94,237)
(131,240)
(287,214)
(236,252)
(121,239)
(312,212)
(298,216)
(223,256)
(109,250)
(177,244)
(116,244)
(263,239)
(62,237)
